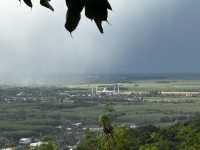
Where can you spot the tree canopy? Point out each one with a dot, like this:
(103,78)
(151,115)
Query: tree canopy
(180,136)
(96,10)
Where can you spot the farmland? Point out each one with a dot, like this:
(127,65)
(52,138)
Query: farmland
(65,112)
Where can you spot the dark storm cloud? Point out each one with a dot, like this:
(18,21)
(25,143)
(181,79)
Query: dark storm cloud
(169,41)
(144,36)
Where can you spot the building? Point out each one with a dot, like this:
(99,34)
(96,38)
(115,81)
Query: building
(25,141)
(37,144)
(105,91)
(8,148)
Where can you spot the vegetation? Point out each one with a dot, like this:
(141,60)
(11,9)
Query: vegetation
(94,10)
(181,136)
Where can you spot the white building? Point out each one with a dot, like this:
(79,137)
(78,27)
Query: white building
(37,144)
(107,92)
(25,141)
(9,148)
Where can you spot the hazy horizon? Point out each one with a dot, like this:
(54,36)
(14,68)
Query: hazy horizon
(72,78)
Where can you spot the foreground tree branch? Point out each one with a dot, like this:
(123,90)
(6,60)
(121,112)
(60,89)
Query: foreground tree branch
(96,10)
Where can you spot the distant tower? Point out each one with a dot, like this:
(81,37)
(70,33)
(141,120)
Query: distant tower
(96,89)
(118,88)
(92,91)
(114,89)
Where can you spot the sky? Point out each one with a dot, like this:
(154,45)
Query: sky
(143,37)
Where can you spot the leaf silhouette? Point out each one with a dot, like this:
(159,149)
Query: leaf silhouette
(72,20)
(75,5)
(96,10)
(28,3)
(99,25)
(46,4)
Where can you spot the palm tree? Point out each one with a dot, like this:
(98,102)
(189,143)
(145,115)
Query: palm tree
(96,10)
(108,140)
(105,122)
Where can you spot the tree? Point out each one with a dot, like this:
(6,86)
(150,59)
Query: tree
(90,141)
(96,10)
(105,122)
(106,142)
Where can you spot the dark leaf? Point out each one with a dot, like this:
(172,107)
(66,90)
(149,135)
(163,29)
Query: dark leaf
(28,3)
(108,5)
(46,4)
(90,9)
(99,25)
(97,10)
(75,5)
(72,20)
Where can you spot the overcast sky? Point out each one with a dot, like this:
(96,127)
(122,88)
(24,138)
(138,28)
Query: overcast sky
(145,36)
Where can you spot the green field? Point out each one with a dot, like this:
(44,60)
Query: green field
(37,119)
(166,85)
